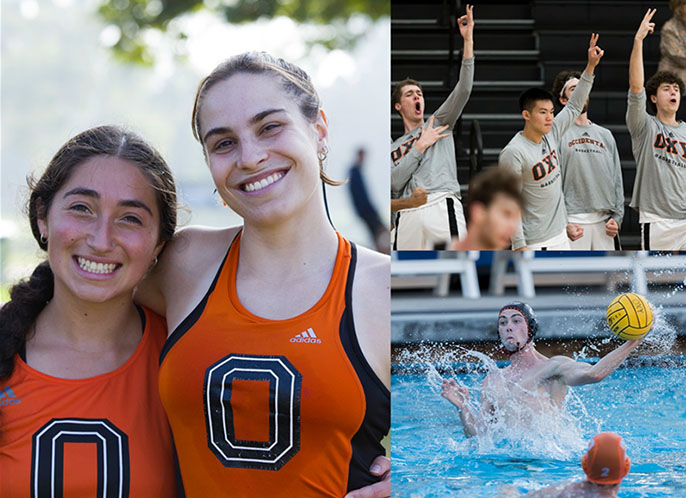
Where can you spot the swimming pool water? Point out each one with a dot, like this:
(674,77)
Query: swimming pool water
(432,458)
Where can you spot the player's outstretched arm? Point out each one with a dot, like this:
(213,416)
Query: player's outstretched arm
(576,373)
(472,422)
(636,74)
(466,26)
(595,53)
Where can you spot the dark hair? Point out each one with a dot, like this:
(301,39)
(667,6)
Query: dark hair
(529,97)
(560,80)
(398,90)
(675,4)
(492,181)
(658,79)
(29,297)
(295,81)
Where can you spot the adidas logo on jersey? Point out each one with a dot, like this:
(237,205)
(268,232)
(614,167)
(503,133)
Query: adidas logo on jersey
(7,397)
(307,336)
(585,134)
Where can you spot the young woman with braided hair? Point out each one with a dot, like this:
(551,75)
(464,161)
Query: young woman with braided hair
(79,413)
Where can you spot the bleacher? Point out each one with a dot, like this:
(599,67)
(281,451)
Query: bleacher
(517,45)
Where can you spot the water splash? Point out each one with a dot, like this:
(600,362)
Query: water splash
(528,431)
(662,337)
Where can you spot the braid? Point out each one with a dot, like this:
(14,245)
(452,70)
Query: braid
(27,300)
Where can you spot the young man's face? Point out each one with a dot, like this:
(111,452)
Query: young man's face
(496,223)
(513,329)
(540,117)
(667,98)
(411,105)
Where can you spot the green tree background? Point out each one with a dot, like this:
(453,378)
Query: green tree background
(134,17)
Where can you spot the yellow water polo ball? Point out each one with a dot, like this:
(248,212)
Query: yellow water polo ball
(629,316)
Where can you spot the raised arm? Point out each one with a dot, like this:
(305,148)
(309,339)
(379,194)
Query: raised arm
(577,100)
(636,74)
(576,373)
(466,25)
(595,53)
(451,109)
(472,421)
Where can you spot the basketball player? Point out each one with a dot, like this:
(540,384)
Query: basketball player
(78,360)
(533,154)
(425,157)
(659,147)
(494,207)
(276,374)
(591,175)
(531,379)
(605,465)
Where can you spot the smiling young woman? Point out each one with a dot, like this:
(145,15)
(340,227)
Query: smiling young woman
(275,376)
(78,360)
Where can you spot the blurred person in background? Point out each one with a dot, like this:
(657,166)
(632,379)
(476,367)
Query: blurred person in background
(493,208)
(364,207)
(673,41)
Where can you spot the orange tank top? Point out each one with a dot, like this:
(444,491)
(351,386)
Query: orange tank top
(264,407)
(103,436)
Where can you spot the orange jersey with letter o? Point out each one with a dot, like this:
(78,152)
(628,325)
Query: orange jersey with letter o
(264,407)
(103,436)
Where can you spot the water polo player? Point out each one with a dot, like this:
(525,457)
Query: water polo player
(531,381)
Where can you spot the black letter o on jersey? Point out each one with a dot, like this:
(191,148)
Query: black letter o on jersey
(284,411)
(47,459)
(538,171)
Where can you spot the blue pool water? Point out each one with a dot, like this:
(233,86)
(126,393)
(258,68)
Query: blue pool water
(432,458)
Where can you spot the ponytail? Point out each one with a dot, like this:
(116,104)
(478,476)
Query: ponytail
(27,300)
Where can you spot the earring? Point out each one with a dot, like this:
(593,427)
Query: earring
(154,262)
(43,239)
(321,155)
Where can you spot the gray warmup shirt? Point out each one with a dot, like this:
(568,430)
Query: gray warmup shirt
(436,169)
(544,215)
(660,154)
(591,171)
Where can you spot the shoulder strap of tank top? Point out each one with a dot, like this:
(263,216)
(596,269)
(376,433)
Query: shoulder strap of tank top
(194,315)
(348,333)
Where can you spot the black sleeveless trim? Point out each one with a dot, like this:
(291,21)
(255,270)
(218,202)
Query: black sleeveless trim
(141,313)
(180,490)
(377,417)
(194,315)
